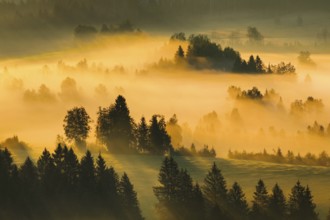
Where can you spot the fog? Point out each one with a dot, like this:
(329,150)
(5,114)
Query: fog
(39,89)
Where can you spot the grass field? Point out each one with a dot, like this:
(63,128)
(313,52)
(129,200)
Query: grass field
(143,171)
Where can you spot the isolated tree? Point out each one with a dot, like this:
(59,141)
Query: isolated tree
(215,191)
(129,200)
(277,204)
(238,206)
(76,126)
(260,202)
(143,143)
(115,127)
(160,141)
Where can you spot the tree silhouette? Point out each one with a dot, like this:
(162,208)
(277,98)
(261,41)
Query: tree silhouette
(301,204)
(238,206)
(175,131)
(277,204)
(46,169)
(87,172)
(166,193)
(260,202)
(115,127)
(215,191)
(160,141)
(179,55)
(129,200)
(76,126)
(254,35)
(143,143)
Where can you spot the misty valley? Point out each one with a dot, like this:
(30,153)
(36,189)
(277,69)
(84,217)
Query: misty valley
(161,109)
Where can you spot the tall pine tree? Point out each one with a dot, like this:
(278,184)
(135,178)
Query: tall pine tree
(238,206)
(277,204)
(259,210)
(129,200)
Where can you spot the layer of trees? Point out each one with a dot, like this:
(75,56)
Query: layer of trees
(119,133)
(319,130)
(83,31)
(202,53)
(59,186)
(180,198)
(310,159)
(152,11)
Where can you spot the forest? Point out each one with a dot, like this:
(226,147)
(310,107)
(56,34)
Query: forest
(164,109)
(60,186)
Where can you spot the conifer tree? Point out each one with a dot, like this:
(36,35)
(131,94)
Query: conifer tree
(167,191)
(277,204)
(71,170)
(46,170)
(238,206)
(129,200)
(143,143)
(115,127)
(260,202)
(214,187)
(160,141)
(87,172)
(301,204)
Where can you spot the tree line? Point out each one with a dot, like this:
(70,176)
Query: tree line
(119,133)
(180,198)
(202,53)
(83,31)
(59,186)
(146,12)
(310,159)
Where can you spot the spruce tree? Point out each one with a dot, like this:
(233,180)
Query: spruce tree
(70,170)
(160,141)
(259,210)
(214,187)
(301,204)
(87,173)
(259,65)
(46,169)
(143,143)
(130,204)
(277,204)
(167,191)
(238,206)
(251,65)
(115,127)
(179,55)
(197,207)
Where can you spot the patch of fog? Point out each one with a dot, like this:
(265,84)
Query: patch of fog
(39,90)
